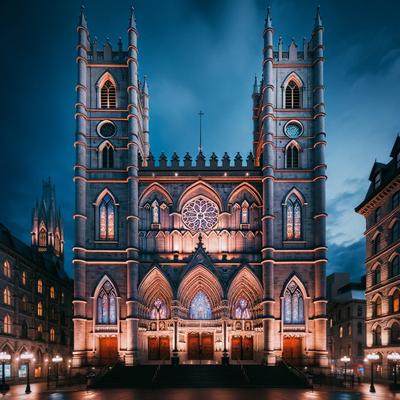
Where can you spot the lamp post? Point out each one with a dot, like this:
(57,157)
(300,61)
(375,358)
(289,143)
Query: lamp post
(3,358)
(371,358)
(345,360)
(27,356)
(394,358)
(57,359)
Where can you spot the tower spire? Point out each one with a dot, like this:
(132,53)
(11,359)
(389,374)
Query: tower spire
(82,17)
(255,86)
(318,20)
(132,18)
(268,19)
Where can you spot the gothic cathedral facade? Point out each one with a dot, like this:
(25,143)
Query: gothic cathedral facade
(196,260)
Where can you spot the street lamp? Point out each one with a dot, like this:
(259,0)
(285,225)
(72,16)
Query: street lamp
(345,360)
(57,359)
(3,358)
(394,358)
(27,356)
(371,358)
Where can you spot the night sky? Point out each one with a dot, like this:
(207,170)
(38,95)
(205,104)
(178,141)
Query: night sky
(198,54)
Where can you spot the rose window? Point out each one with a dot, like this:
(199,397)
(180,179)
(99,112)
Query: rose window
(200,214)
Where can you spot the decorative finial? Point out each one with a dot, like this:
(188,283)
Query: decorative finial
(132,19)
(82,18)
(318,21)
(268,20)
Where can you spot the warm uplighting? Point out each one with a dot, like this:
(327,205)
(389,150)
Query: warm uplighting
(373,357)
(57,359)
(394,357)
(4,356)
(26,356)
(345,359)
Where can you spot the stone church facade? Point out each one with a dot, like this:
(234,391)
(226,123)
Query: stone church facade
(193,260)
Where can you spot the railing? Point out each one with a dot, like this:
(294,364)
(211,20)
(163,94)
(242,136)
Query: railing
(156,372)
(246,377)
(297,371)
(96,377)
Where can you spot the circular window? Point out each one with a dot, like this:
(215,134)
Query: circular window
(106,129)
(200,214)
(293,129)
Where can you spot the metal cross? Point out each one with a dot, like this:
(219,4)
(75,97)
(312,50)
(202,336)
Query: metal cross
(200,114)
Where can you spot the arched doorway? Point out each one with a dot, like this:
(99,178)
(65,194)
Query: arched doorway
(293,349)
(200,346)
(108,350)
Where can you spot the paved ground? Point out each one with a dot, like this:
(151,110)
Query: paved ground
(73,393)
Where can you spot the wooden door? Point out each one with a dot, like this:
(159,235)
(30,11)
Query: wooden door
(153,350)
(236,348)
(108,350)
(164,348)
(293,350)
(247,348)
(193,346)
(207,346)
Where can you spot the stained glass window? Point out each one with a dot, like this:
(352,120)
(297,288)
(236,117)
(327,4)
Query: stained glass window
(242,309)
(159,310)
(293,305)
(292,95)
(42,236)
(200,214)
(200,307)
(108,98)
(107,218)
(293,219)
(107,305)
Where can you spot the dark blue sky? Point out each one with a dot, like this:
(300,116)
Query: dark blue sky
(198,54)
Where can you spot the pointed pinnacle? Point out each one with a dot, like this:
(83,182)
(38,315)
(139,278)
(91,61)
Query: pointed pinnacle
(268,20)
(318,21)
(82,18)
(132,19)
(145,87)
(255,87)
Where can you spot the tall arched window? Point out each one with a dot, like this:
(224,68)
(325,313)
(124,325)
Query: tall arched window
(107,305)
(377,275)
(7,269)
(242,309)
(107,218)
(293,305)
(108,95)
(107,155)
(24,330)
(52,293)
(395,267)
(24,303)
(39,331)
(377,336)
(378,214)
(57,243)
(23,278)
(52,335)
(40,309)
(396,200)
(395,333)
(292,156)
(395,302)
(292,95)
(200,307)
(42,235)
(40,286)
(7,296)
(395,231)
(377,244)
(293,219)
(7,324)
(159,310)
(377,307)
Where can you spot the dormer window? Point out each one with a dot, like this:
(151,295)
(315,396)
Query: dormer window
(377,180)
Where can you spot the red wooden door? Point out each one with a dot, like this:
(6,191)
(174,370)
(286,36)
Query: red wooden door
(193,346)
(293,350)
(164,348)
(207,346)
(247,348)
(108,350)
(153,350)
(236,348)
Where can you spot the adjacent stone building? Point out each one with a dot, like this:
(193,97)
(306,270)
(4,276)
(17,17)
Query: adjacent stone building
(200,260)
(35,292)
(346,316)
(381,209)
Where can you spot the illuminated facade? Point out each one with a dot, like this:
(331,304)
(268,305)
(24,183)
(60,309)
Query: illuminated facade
(189,260)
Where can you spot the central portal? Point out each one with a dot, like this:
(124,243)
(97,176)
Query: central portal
(200,346)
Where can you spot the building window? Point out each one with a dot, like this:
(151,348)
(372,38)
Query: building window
(293,305)
(200,307)
(395,303)
(62,298)
(377,180)
(107,218)
(52,335)
(378,214)
(359,328)
(293,219)
(40,286)
(23,278)
(395,333)
(159,310)
(107,156)
(376,275)
(377,336)
(360,349)
(40,309)
(349,330)
(57,243)
(242,310)
(52,293)
(24,304)
(24,330)
(396,200)
(7,325)
(377,244)
(292,156)
(7,269)
(39,330)
(42,236)
(396,231)
(108,98)
(340,331)
(107,305)
(7,296)
(395,267)
(359,311)
(292,95)
(377,307)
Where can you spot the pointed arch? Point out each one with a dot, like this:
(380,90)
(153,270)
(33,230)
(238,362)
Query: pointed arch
(106,154)
(293,304)
(199,188)
(155,187)
(106,216)
(107,91)
(42,235)
(296,193)
(292,152)
(244,187)
(155,286)
(292,90)
(106,302)
(200,279)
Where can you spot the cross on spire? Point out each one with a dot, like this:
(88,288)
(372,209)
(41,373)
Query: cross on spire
(200,114)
